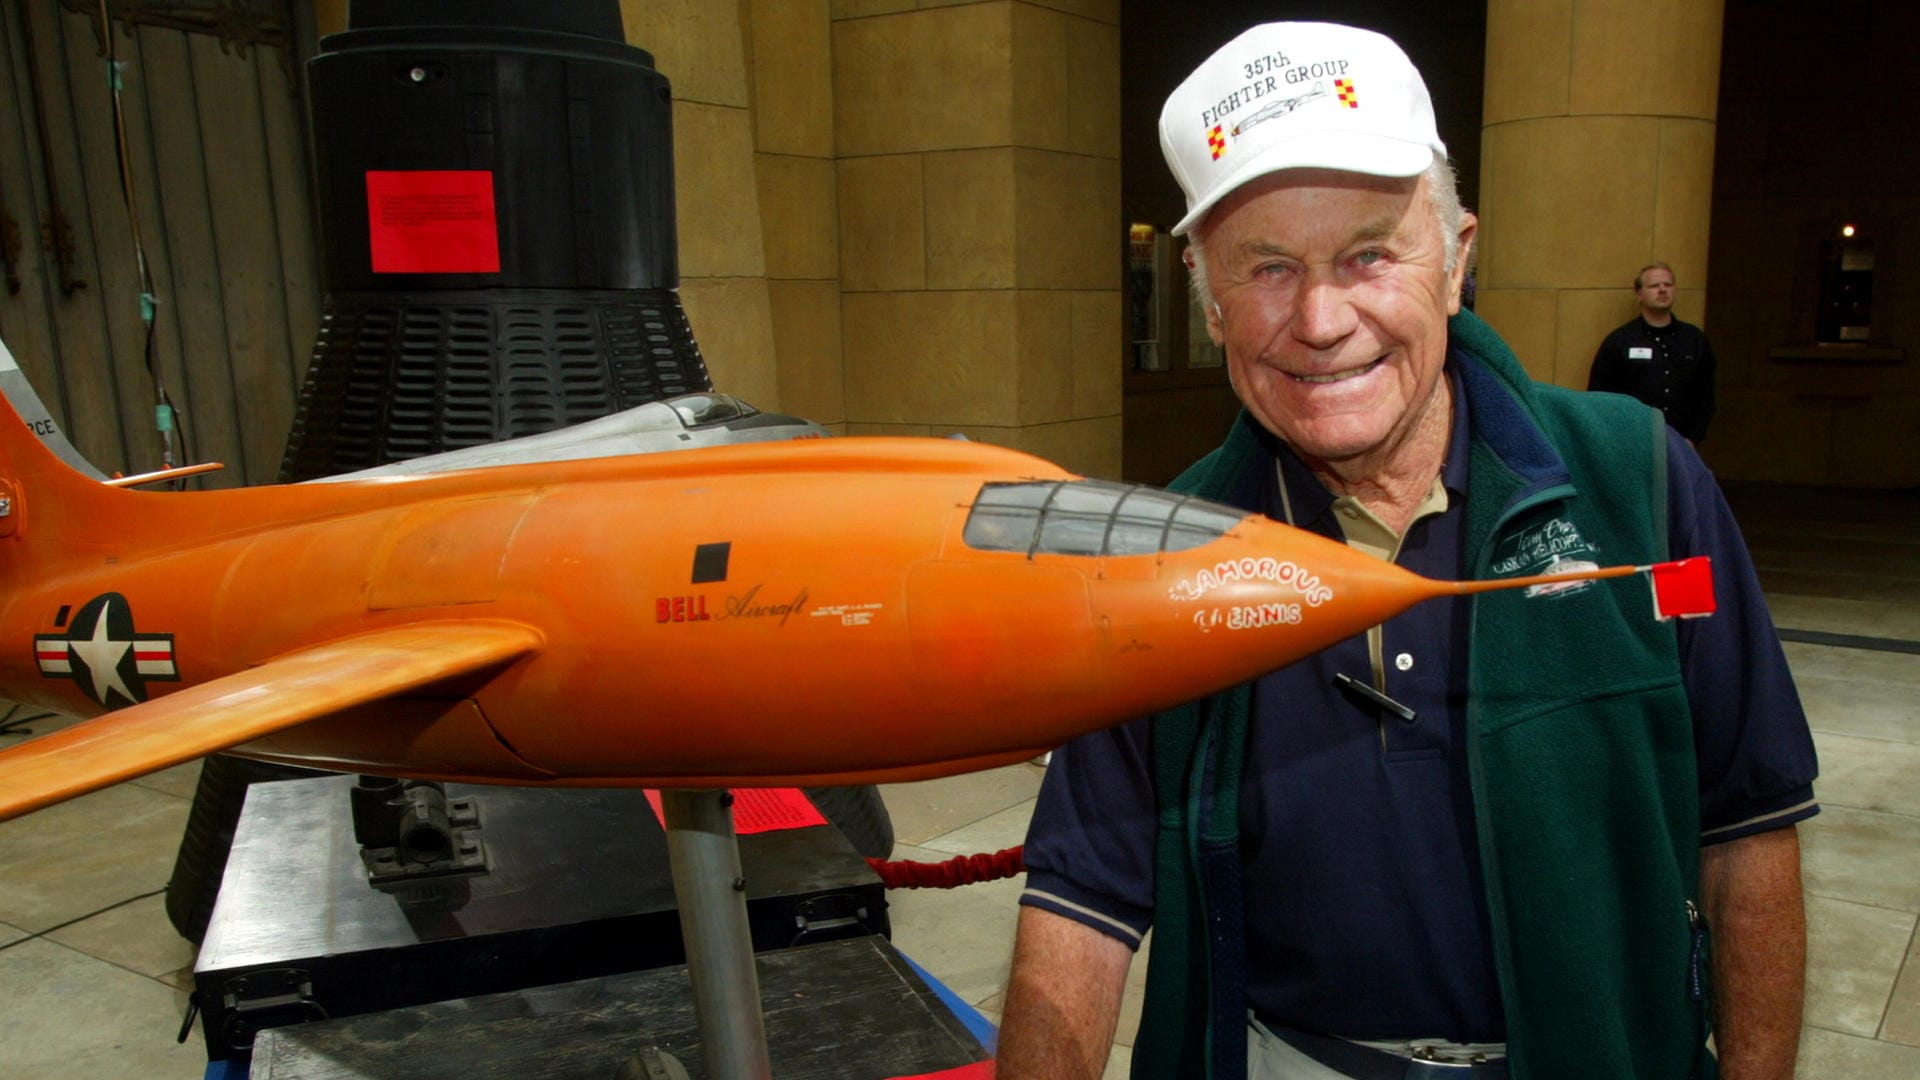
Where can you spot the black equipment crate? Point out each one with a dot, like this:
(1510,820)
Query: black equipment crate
(841,1010)
(580,886)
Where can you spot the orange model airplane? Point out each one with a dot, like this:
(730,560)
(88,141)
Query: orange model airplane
(815,612)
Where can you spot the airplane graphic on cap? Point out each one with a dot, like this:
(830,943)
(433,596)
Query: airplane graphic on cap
(1281,108)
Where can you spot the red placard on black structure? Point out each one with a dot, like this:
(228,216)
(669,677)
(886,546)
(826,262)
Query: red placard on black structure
(433,221)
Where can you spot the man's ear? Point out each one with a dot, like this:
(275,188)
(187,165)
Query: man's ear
(1469,227)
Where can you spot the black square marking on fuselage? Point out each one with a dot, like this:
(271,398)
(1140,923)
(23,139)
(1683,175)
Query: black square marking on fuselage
(710,562)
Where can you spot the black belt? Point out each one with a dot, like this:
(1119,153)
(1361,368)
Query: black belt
(1366,1063)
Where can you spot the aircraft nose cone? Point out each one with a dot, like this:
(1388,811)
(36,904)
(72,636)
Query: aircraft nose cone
(1250,591)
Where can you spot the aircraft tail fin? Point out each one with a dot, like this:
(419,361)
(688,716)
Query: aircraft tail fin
(38,418)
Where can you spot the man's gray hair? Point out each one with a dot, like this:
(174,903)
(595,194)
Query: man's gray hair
(1443,194)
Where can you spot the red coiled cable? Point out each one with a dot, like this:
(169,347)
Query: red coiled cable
(959,870)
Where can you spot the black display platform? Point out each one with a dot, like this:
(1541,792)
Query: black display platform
(580,887)
(845,1010)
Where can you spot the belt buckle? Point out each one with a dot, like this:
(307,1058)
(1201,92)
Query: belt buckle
(1423,1065)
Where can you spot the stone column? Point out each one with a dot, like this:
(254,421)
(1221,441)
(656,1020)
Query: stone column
(978,182)
(700,46)
(1596,158)
(792,81)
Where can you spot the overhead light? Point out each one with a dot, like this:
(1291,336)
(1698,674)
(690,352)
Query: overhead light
(1847,231)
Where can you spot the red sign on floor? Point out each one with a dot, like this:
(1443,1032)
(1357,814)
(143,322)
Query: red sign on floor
(758,810)
(979,1070)
(434,221)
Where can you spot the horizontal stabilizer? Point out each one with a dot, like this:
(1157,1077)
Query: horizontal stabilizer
(314,682)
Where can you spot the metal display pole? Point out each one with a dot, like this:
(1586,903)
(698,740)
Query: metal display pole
(711,893)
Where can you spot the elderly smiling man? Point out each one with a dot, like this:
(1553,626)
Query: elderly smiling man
(1539,836)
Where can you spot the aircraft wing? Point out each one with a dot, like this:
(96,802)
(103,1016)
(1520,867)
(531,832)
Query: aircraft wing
(299,686)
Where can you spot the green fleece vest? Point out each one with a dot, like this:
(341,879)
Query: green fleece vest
(1581,755)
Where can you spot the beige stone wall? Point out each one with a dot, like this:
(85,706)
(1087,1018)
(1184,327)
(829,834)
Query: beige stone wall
(977,179)
(903,218)
(1597,158)
(792,78)
(701,46)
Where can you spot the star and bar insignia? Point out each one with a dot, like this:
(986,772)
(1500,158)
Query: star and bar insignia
(103,656)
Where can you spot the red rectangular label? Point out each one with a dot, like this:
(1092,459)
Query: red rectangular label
(432,222)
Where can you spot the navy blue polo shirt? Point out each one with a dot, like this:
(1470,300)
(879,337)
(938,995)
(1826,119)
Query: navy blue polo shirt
(1365,911)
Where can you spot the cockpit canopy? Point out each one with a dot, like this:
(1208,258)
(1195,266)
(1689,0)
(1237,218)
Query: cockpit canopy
(699,410)
(1092,517)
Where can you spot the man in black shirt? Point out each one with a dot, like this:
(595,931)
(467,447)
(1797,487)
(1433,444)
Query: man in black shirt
(1657,358)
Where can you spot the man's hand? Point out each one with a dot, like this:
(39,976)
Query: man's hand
(1751,891)
(1063,1000)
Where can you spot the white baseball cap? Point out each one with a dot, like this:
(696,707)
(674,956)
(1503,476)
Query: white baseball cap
(1296,95)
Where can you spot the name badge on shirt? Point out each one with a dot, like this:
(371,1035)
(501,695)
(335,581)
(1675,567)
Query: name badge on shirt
(1639,352)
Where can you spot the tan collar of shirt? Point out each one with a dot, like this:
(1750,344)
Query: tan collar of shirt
(1366,532)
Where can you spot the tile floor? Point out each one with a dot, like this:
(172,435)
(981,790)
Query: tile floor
(92,977)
